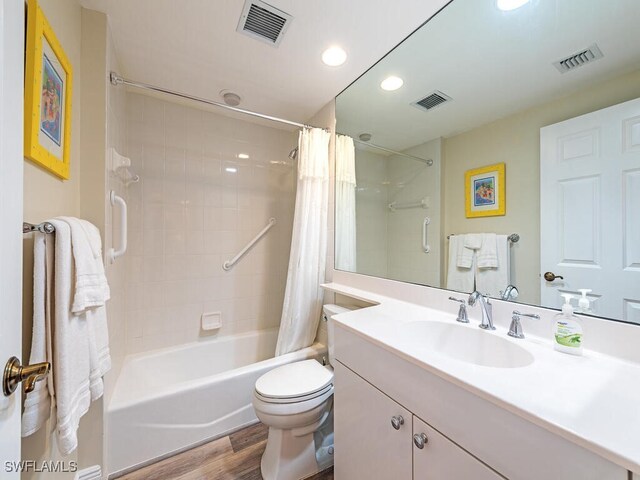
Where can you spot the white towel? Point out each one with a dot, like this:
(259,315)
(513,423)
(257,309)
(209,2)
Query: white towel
(473,241)
(493,280)
(465,254)
(91,287)
(459,279)
(37,405)
(488,254)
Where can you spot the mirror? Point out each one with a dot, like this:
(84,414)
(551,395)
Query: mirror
(498,122)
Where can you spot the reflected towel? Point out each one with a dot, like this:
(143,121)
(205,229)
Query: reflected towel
(491,281)
(464,255)
(459,279)
(487,255)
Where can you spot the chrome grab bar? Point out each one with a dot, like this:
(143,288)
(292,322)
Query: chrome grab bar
(230,263)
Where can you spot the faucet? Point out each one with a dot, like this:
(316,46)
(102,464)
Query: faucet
(487,309)
(510,293)
(462,311)
(515,329)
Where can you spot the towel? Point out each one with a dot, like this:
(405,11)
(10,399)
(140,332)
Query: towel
(473,241)
(37,405)
(487,254)
(459,279)
(91,287)
(492,281)
(464,253)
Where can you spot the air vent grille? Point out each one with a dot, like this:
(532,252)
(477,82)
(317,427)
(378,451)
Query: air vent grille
(579,59)
(263,22)
(433,100)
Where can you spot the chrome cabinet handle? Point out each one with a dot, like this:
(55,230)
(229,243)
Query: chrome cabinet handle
(397,422)
(420,440)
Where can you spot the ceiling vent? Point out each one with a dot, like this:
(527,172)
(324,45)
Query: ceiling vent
(263,22)
(579,59)
(433,100)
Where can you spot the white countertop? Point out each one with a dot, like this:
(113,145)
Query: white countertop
(591,400)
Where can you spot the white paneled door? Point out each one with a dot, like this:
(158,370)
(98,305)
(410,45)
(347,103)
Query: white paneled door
(11,95)
(590,210)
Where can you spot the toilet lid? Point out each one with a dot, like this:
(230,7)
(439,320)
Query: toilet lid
(294,380)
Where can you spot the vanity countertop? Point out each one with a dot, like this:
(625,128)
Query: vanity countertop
(591,400)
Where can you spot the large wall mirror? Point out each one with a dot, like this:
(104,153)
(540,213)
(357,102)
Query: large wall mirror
(499,147)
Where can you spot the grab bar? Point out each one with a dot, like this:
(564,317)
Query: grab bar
(425,243)
(113,253)
(230,263)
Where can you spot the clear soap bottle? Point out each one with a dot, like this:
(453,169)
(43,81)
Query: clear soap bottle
(567,329)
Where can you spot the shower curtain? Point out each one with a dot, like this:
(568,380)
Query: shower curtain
(303,295)
(345,204)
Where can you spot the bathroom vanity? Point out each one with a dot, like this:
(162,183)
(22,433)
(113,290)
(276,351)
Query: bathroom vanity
(418,395)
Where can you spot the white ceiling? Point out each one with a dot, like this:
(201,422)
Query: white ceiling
(192,46)
(492,63)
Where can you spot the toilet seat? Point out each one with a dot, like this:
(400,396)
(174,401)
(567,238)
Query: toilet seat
(294,382)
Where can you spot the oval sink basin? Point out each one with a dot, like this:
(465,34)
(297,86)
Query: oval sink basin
(466,344)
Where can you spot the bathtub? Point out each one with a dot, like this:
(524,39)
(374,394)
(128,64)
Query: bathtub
(172,399)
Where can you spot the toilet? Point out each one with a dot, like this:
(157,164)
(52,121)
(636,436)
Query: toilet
(295,401)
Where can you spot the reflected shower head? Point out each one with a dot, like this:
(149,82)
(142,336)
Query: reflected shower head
(293,154)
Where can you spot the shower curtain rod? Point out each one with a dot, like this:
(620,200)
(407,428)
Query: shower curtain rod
(428,161)
(118,80)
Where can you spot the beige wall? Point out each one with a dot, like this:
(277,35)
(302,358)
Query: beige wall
(515,140)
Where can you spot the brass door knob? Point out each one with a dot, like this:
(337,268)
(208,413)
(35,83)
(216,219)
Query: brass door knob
(14,373)
(550,276)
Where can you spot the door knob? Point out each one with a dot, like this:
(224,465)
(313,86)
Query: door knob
(420,440)
(550,276)
(14,373)
(397,422)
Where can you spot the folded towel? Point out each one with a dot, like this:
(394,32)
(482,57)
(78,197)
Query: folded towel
(464,258)
(487,254)
(37,405)
(91,287)
(459,279)
(473,241)
(492,281)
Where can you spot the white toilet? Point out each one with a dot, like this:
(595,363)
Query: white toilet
(295,401)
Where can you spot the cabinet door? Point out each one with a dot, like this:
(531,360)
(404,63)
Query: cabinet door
(441,459)
(367,446)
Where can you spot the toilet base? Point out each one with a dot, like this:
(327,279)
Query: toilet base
(288,457)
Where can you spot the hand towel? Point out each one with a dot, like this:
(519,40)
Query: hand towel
(487,255)
(459,279)
(465,255)
(37,405)
(71,346)
(91,287)
(493,280)
(473,241)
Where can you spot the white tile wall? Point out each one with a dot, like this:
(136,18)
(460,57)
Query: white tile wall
(196,206)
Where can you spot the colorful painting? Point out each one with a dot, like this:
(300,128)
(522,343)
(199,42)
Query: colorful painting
(51,101)
(485,191)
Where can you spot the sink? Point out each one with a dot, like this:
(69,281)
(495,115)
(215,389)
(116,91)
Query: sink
(466,344)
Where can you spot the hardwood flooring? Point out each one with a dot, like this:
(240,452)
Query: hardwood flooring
(235,457)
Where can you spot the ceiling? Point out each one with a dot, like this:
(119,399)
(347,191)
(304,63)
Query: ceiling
(492,63)
(192,46)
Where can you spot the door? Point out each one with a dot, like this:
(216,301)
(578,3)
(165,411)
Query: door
(590,204)
(11,97)
(435,457)
(367,444)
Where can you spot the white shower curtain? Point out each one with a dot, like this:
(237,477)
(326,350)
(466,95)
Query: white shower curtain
(303,295)
(345,204)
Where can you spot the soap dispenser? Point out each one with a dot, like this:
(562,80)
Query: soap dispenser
(583,302)
(567,334)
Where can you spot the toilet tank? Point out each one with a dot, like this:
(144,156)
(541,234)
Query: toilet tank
(329,311)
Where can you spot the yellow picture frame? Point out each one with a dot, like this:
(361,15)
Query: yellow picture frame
(47,96)
(485,191)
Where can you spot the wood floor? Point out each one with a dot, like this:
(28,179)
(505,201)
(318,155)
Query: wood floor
(235,457)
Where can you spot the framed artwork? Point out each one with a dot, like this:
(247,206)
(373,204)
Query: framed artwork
(484,191)
(47,102)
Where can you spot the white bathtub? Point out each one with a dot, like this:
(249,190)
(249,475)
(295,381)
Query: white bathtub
(168,400)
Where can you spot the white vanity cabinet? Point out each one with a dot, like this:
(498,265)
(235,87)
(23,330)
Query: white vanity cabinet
(376,438)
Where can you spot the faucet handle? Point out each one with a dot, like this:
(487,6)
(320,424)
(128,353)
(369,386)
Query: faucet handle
(515,329)
(462,311)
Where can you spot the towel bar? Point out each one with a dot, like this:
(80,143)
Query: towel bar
(44,227)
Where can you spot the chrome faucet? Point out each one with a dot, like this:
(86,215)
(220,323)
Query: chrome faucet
(462,311)
(510,293)
(487,309)
(515,329)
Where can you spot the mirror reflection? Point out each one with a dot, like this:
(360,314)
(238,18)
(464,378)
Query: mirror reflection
(499,151)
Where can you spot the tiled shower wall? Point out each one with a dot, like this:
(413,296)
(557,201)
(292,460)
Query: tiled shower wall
(197,205)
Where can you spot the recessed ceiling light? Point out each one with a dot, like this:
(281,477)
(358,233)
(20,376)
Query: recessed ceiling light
(231,169)
(244,156)
(508,5)
(334,56)
(391,83)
